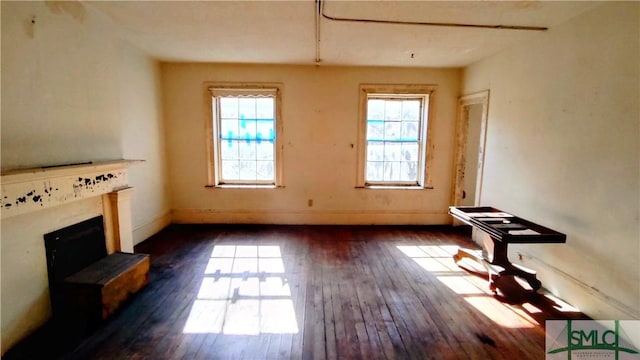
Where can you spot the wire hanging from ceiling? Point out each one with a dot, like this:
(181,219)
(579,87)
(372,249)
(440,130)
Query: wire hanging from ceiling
(321,11)
(320,14)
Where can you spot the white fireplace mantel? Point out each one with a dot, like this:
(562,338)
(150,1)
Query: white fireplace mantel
(28,190)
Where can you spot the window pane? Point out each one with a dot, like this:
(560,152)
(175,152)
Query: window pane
(392,171)
(247,170)
(411,110)
(408,171)
(393,110)
(264,170)
(229,150)
(264,151)
(264,108)
(392,130)
(230,170)
(228,129)
(375,109)
(264,130)
(375,151)
(409,131)
(248,129)
(247,108)
(229,108)
(375,130)
(392,151)
(247,150)
(374,170)
(409,152)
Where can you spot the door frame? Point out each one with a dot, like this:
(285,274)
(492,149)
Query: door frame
(462,128)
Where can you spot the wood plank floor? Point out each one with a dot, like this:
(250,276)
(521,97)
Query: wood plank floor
(316,292)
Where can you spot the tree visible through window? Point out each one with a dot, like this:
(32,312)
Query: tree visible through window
(394,136)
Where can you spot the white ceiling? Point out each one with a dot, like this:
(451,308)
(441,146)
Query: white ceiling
(285,31)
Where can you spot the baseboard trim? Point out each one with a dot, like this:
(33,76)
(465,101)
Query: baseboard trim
(589,300)
(316,217)
(151,227)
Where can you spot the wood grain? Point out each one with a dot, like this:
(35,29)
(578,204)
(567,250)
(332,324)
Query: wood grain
(357,292)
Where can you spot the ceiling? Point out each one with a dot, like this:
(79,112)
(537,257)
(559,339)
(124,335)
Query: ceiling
(285,31)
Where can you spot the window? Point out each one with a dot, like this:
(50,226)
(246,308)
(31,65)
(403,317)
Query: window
(394,136)
(245,125)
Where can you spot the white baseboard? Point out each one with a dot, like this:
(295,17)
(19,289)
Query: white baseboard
(586,298)
(589,300)
(315,217)
(148,229)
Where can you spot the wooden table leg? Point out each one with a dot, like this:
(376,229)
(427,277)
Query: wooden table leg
(499,266)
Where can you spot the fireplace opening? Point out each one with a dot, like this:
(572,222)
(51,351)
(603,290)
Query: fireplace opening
(70,250)
(86,285)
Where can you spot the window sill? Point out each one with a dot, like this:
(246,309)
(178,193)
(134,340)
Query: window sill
(392,187)
(239,186)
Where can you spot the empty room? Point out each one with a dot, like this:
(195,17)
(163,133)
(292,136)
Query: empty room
(320,179)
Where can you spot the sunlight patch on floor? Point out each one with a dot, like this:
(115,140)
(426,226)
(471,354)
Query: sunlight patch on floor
(243,292)
(501,314)
(438,259)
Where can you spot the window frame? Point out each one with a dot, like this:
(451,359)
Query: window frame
(425,143)
(215,91)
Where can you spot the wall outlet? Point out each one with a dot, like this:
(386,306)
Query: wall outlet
(310,202)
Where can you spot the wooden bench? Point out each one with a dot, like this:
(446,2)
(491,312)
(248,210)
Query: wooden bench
(97,291)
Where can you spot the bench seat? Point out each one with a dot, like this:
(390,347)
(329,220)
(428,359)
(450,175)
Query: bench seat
(98,290)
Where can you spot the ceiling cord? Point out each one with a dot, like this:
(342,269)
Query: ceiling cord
(318,14)
(320,4)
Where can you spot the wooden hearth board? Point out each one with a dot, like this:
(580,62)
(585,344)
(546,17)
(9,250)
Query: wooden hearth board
(102,287)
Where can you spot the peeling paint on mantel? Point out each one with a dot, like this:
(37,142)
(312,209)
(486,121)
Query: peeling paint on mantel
(28,190)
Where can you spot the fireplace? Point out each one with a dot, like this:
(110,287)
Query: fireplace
(43,200)
(87,285)
(70,250)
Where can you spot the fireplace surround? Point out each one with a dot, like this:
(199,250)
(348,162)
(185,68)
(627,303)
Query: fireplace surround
(40,200)
(26,191)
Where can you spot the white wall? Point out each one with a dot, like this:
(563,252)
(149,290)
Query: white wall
(320,120)
(563,149)
(72,91)
(143,138)
(59,86)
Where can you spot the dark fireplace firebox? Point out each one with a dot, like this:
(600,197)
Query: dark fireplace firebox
(86,285)
(70,250)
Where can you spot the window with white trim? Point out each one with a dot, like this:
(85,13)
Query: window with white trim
(394,136)
(245,128)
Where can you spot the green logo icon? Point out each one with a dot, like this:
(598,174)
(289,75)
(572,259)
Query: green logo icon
(588,336)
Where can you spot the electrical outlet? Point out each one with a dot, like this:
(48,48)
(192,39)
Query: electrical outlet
(310,202)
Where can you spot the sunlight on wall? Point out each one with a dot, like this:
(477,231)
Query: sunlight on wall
(438,259)
(243,292)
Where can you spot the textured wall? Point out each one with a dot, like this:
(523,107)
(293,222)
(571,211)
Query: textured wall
(72,91)
(563,148)
(320,121)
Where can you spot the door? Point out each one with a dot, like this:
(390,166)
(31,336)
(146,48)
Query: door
(473,114)
(470,141)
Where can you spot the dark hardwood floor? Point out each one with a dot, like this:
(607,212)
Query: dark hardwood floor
(315,292)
